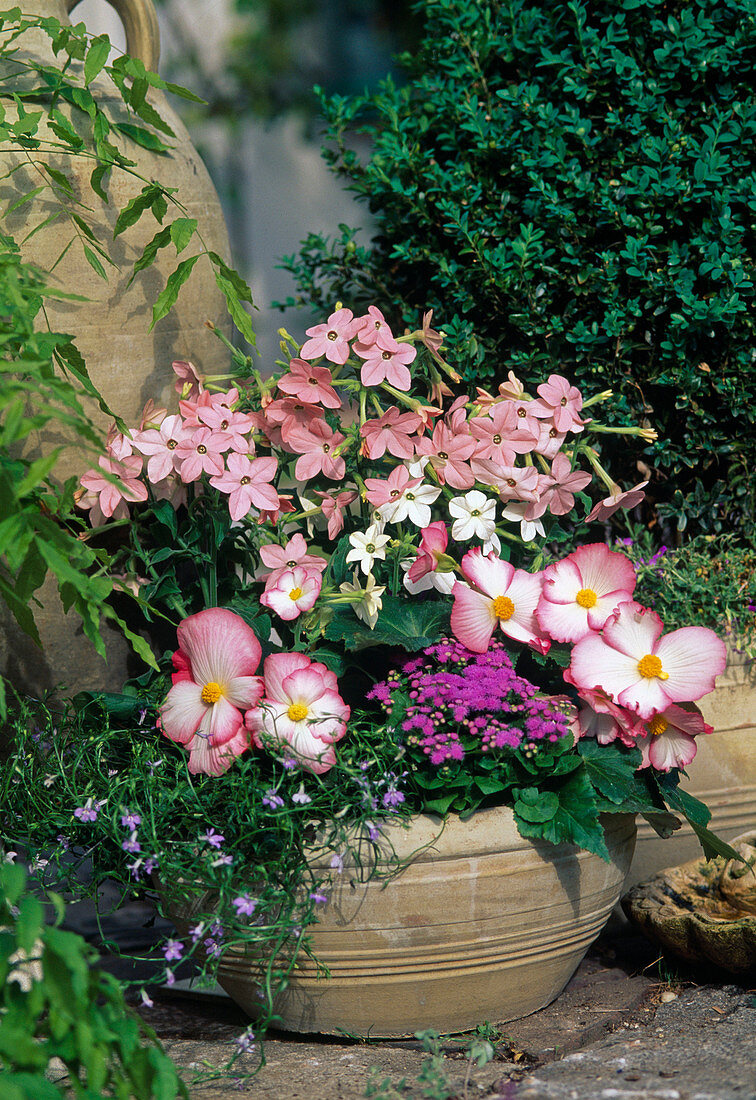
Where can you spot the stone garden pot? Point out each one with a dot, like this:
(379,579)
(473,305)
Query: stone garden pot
(479,925)
(723,772)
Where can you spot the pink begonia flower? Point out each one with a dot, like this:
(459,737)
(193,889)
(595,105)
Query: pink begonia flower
(332,339)
(602,718)
(502,596)
(549,440)
(289,592)
(160,445)
(386,361)
(501,435)
(294,553)
(333,508)
(206,400)
(448,454)
(203,710)
(392,432)
(310,384)
(302,712)
(246,480)
(128,486)
(372,325)
(561,403)
(581,591)
(202,453)
(617,499)
(669,740)
(189,384)
(434,541)
(557,490)
(643,670)
(315,446)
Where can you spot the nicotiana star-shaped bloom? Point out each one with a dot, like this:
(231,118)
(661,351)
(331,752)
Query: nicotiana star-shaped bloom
(366,547)
(474,516)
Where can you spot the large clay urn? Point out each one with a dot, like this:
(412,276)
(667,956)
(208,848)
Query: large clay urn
(127,362)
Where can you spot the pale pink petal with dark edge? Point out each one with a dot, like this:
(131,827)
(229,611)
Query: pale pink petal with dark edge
(633,630)
(219,645)
(487,572)
(692,657)
(648,695)
(207,759)
(595,664)
(182,711)
(473,619)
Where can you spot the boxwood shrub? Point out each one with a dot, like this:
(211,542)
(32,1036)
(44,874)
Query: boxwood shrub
(572,188)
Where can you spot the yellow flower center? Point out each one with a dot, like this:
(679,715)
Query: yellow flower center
(651,666)
(657,725)
(211,692)
(295,593)
(503,608)
(297,712)
(586,598)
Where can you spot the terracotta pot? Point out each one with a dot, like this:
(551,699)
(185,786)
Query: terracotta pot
(479,925)
(723,773)
(127,362)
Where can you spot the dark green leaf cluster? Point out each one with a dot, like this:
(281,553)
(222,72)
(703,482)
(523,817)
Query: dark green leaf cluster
(56,1004)
(571,186)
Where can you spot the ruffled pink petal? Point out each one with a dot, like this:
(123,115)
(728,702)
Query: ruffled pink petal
(562,581)
(219,645)
(595,664)
(671,749)
(328,717)
(564,622)
(277,667)
(692,657)
(604,570)
(207,759)
(473,619)
(304,686)
(487,572)
(182,712)
(224,722)
(605,606)
(647,696)
(633,630)
(245,692)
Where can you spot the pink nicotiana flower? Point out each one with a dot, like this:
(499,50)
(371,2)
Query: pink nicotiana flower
(124,486)
(160,444)
(617,499)
(642,669)
(669,738)
(302,712)
(557,490)
(549,440)
(189,384)
(448,453)
(293,554)
(333,508)
(386,360)
(237,425)
(581,591)
(561,403)
(247,482)
(332,338)
(309,383)
(202,453)
(204,710)
(316,447)
(502,434)
(391,432)
(372,325)
(289,592)
(502,596)
(190,409)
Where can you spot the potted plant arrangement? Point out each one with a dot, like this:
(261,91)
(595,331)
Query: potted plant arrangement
(708,581)
(400,743)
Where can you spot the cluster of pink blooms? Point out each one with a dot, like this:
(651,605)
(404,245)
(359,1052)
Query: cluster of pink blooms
(218,706)
(632,679)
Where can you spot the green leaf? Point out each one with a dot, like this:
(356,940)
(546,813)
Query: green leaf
(142,137)
(576,820)
(138,644)
(94,262)
(97,57)
(167,298)
(151,249)
(697,815)
(534,805)
(612,769)
(135,207)
(29,922)
(182,231)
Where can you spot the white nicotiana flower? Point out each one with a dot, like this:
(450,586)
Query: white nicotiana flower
(413,504)
(529,528)
(442,582)
(474,516)
(416,468)
(367,546)
(368,607)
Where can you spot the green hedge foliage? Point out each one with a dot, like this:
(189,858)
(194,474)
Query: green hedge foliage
(572,187)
